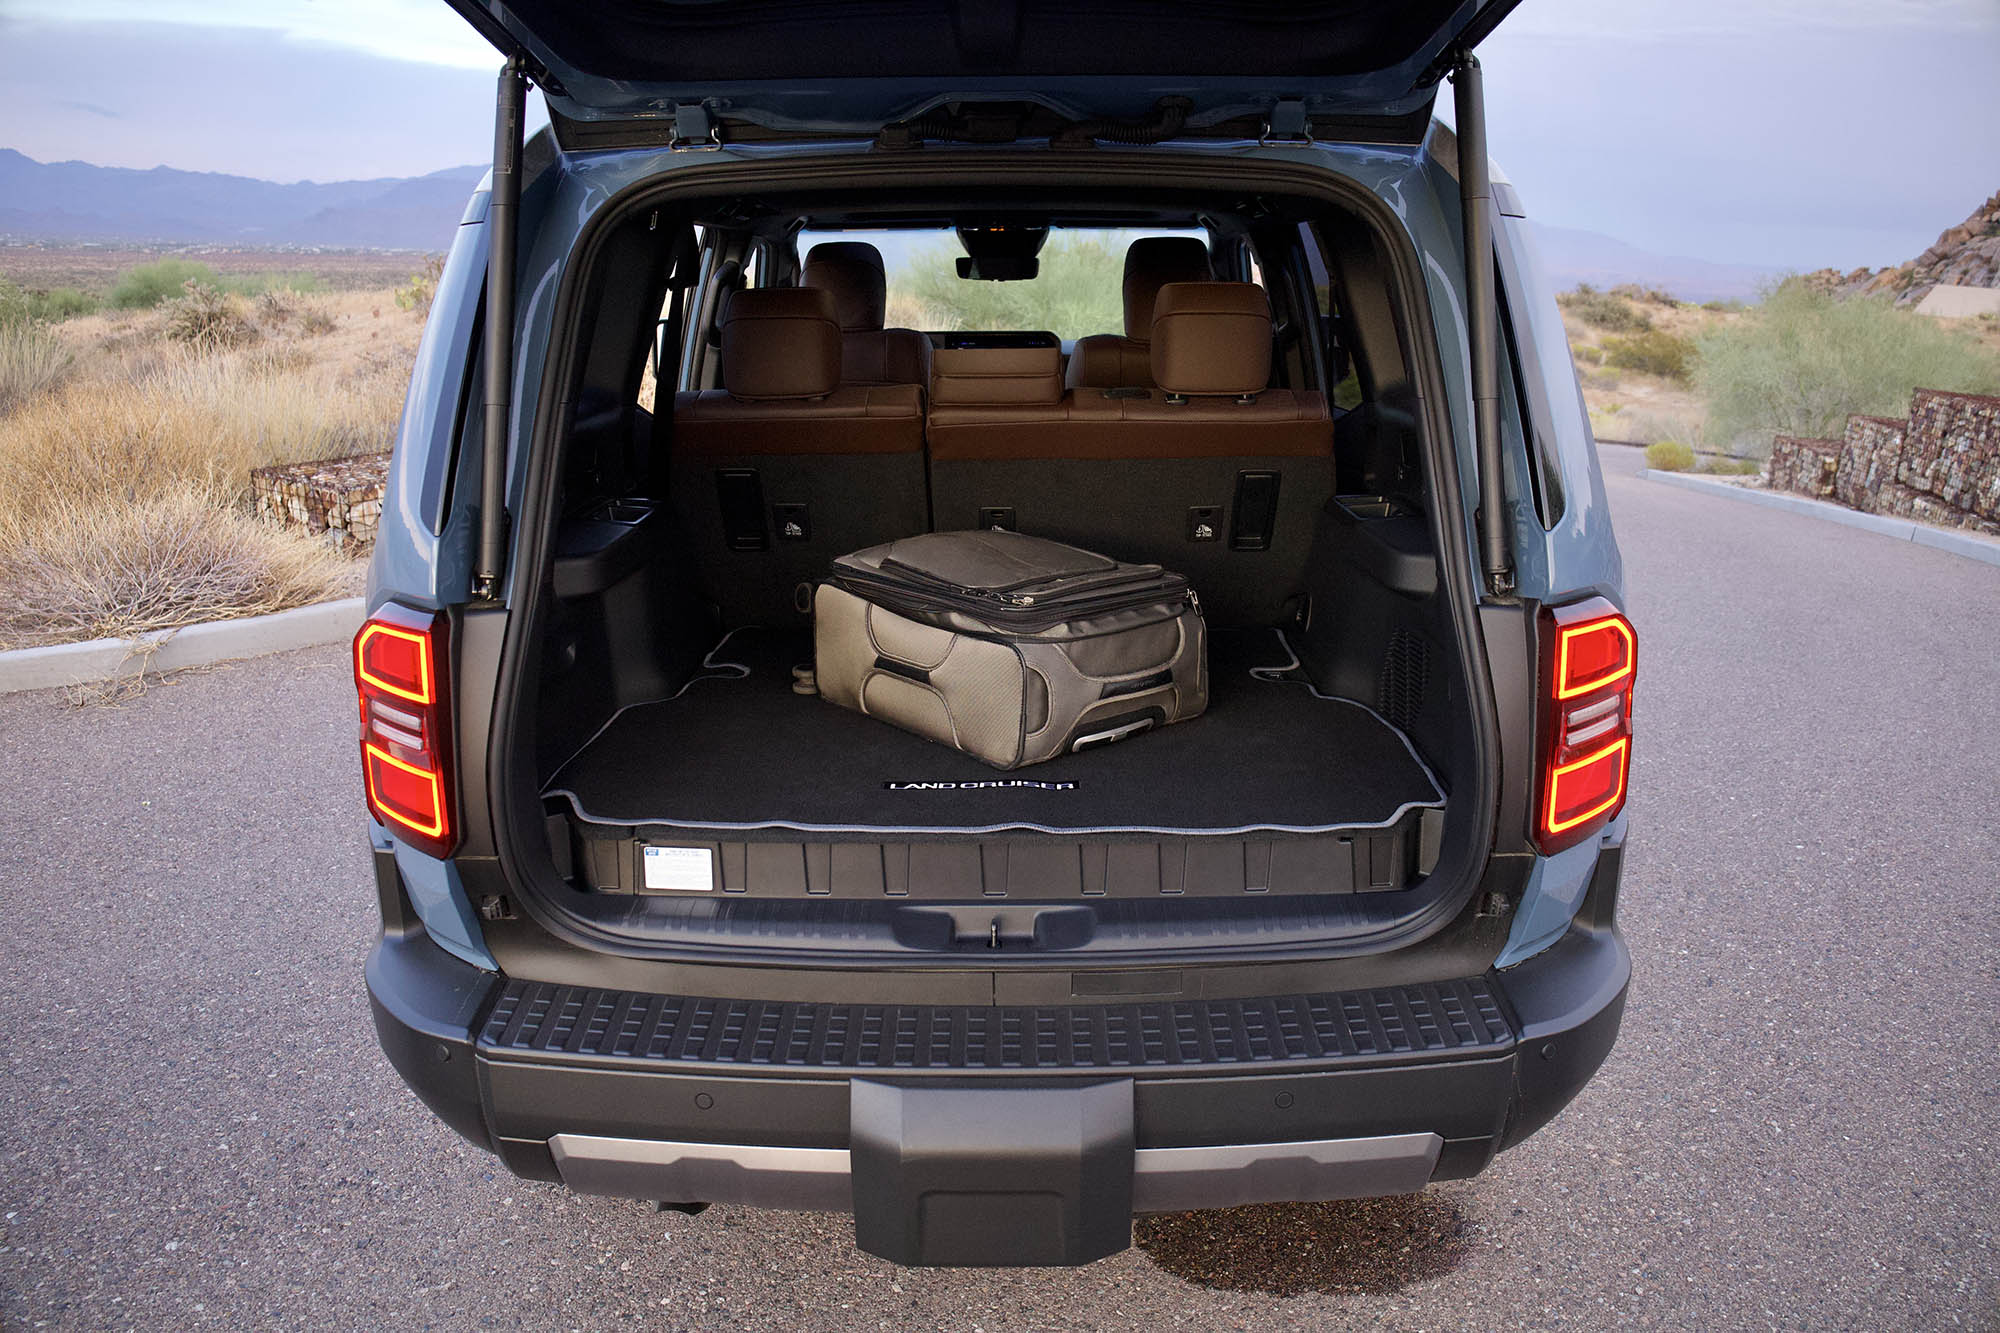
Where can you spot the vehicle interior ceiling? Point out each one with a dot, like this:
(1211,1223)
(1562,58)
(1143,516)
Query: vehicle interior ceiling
(1259,438)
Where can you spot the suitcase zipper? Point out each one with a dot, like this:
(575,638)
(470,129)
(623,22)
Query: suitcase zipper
(1022,610)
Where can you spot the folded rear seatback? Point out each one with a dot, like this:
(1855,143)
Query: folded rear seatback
(1212,472)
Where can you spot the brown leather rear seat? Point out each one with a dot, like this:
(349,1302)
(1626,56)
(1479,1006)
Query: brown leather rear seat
(1212,472)
(1107,361)
(869,353)
(785,467)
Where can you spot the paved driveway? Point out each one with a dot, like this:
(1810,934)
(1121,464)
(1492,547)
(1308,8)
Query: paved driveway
(1797,1129)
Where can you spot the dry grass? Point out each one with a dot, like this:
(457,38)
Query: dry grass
(1640,425)
(124,488)
(1631,402)
(32,361)
(185,420)
(80,570)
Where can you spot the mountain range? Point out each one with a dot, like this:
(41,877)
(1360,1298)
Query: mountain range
(1570,256)
(76,201)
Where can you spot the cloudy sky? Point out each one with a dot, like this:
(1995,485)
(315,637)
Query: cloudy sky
(1787,133)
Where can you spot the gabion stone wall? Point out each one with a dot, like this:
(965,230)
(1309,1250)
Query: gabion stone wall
(337,498)
(1869,452)
(1805,466)
(1941,465)
(1954,450)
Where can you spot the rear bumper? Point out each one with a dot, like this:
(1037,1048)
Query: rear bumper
(1163,1179)
(930,1123)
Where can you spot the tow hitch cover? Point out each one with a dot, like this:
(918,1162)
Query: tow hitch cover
(1014,1176)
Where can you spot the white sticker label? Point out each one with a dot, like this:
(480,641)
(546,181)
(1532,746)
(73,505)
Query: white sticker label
(685,869)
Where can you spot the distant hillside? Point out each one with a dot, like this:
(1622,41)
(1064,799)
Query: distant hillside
(1571,256)
(75,201)
(1967,255)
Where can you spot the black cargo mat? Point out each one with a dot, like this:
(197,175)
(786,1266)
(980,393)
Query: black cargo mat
(737,749)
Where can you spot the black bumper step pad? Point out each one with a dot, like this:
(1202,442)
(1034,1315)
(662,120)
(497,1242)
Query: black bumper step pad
(1453,1019)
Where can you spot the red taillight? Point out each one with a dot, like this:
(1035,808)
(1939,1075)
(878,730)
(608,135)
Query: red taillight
(405,736)
(1593,656)
(1590,661)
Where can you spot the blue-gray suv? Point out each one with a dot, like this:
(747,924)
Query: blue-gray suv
(1199,286)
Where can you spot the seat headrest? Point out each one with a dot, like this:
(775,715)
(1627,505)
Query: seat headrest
(780,342)
(997,376)
(852,271)
(1151,262)
(1212,338)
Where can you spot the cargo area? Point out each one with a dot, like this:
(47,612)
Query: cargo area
(736,750)
(737,758)
(1250,423)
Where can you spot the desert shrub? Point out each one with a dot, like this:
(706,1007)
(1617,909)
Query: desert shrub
(315,320)
(1586,354)
(32,360)
(1606,310)
(148,285)
(1654,352)
(60,303)
(14,307)
(418,293)
(281,308)
(1632,291)
(1724,307)
(80,568)
(1669,456)
(1728,465)
(1080,291)
(206,320)
(275,309)
(42,305)
(1803,361)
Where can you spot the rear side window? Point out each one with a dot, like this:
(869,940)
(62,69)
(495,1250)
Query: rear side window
(1544,383)
(1341,370)
(1079,291)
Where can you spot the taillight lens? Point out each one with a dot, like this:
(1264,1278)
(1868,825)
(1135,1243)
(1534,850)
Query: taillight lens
(405,732)
(1590,659)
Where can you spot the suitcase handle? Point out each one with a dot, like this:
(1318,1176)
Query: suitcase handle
(1110,734)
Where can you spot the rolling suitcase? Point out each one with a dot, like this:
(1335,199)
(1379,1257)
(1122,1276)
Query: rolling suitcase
(1011,648)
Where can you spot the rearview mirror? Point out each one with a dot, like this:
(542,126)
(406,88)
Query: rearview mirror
(999,268)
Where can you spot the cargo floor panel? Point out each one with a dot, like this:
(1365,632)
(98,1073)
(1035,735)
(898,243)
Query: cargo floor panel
(738,751)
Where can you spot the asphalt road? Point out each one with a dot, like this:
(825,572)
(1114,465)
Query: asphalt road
(1797,1129)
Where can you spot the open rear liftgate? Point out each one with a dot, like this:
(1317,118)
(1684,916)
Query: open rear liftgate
(1027,1173)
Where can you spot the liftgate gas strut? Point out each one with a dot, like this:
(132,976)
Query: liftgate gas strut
(1475,189)
(501,208)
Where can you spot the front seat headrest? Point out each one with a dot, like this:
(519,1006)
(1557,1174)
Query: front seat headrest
(852,272)
(1151,262)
